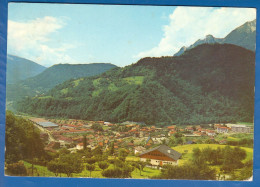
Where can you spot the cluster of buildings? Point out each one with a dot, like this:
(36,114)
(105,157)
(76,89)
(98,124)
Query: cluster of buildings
(232,128)
(136,138)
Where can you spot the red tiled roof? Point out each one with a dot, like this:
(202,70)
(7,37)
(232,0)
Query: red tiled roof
(100,143)
(171,127)
(223,127)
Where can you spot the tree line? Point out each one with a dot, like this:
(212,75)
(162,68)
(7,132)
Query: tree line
(23,142)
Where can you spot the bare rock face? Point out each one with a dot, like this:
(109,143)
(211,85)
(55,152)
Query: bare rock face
(243,36)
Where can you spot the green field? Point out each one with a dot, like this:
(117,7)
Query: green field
(64,91)
(96,92)
(242,136)
(44,97)
(132,158)
(112,87)
(96,82)
(230,138)
(134,79)
(234,136)
(76,82)
(245,123)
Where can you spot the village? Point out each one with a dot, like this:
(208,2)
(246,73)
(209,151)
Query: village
(141,141)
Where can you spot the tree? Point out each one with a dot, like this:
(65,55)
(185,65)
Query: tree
(97,127)
(177,135)
(122,154)
(187,171)
(90,168)
(16,169)
(197,156)
(22,141)
(118,163)
(87,153)
(140,165)
(103,165)
(55,166)
(179,140)
(118,172)
(112,149)
(64,151)
(112,173)
(148,162)
(70,163)
(230,165)
(84,142)
(91,160)
(97,151)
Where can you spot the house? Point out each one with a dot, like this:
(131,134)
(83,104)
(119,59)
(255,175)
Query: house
(240,129)
(189,129)
(170,133)
(197,133)
(223,129)
(115,147)
(171,127)
(217,125)
(198,127)
(100,144)
(79,146)
(210,133)
(160,156)
(139,149)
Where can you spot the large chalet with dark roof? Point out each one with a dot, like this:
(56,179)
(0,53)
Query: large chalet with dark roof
(161,155)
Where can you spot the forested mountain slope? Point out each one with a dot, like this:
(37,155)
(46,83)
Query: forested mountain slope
(208,84)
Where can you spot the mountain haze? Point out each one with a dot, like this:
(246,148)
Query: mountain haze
(14,66)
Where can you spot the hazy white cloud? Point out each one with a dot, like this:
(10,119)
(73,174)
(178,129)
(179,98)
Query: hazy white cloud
(30,40)
(188,24)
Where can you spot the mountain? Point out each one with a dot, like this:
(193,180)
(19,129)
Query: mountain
(209,39)
(14,66)
(244,36)
(209,83)
(53,76)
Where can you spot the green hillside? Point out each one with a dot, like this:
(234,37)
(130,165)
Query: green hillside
(207,84)
(53,76)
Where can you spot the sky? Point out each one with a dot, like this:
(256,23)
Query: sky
(51,34)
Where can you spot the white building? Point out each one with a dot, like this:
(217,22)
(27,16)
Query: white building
(240,128)
(160,156)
